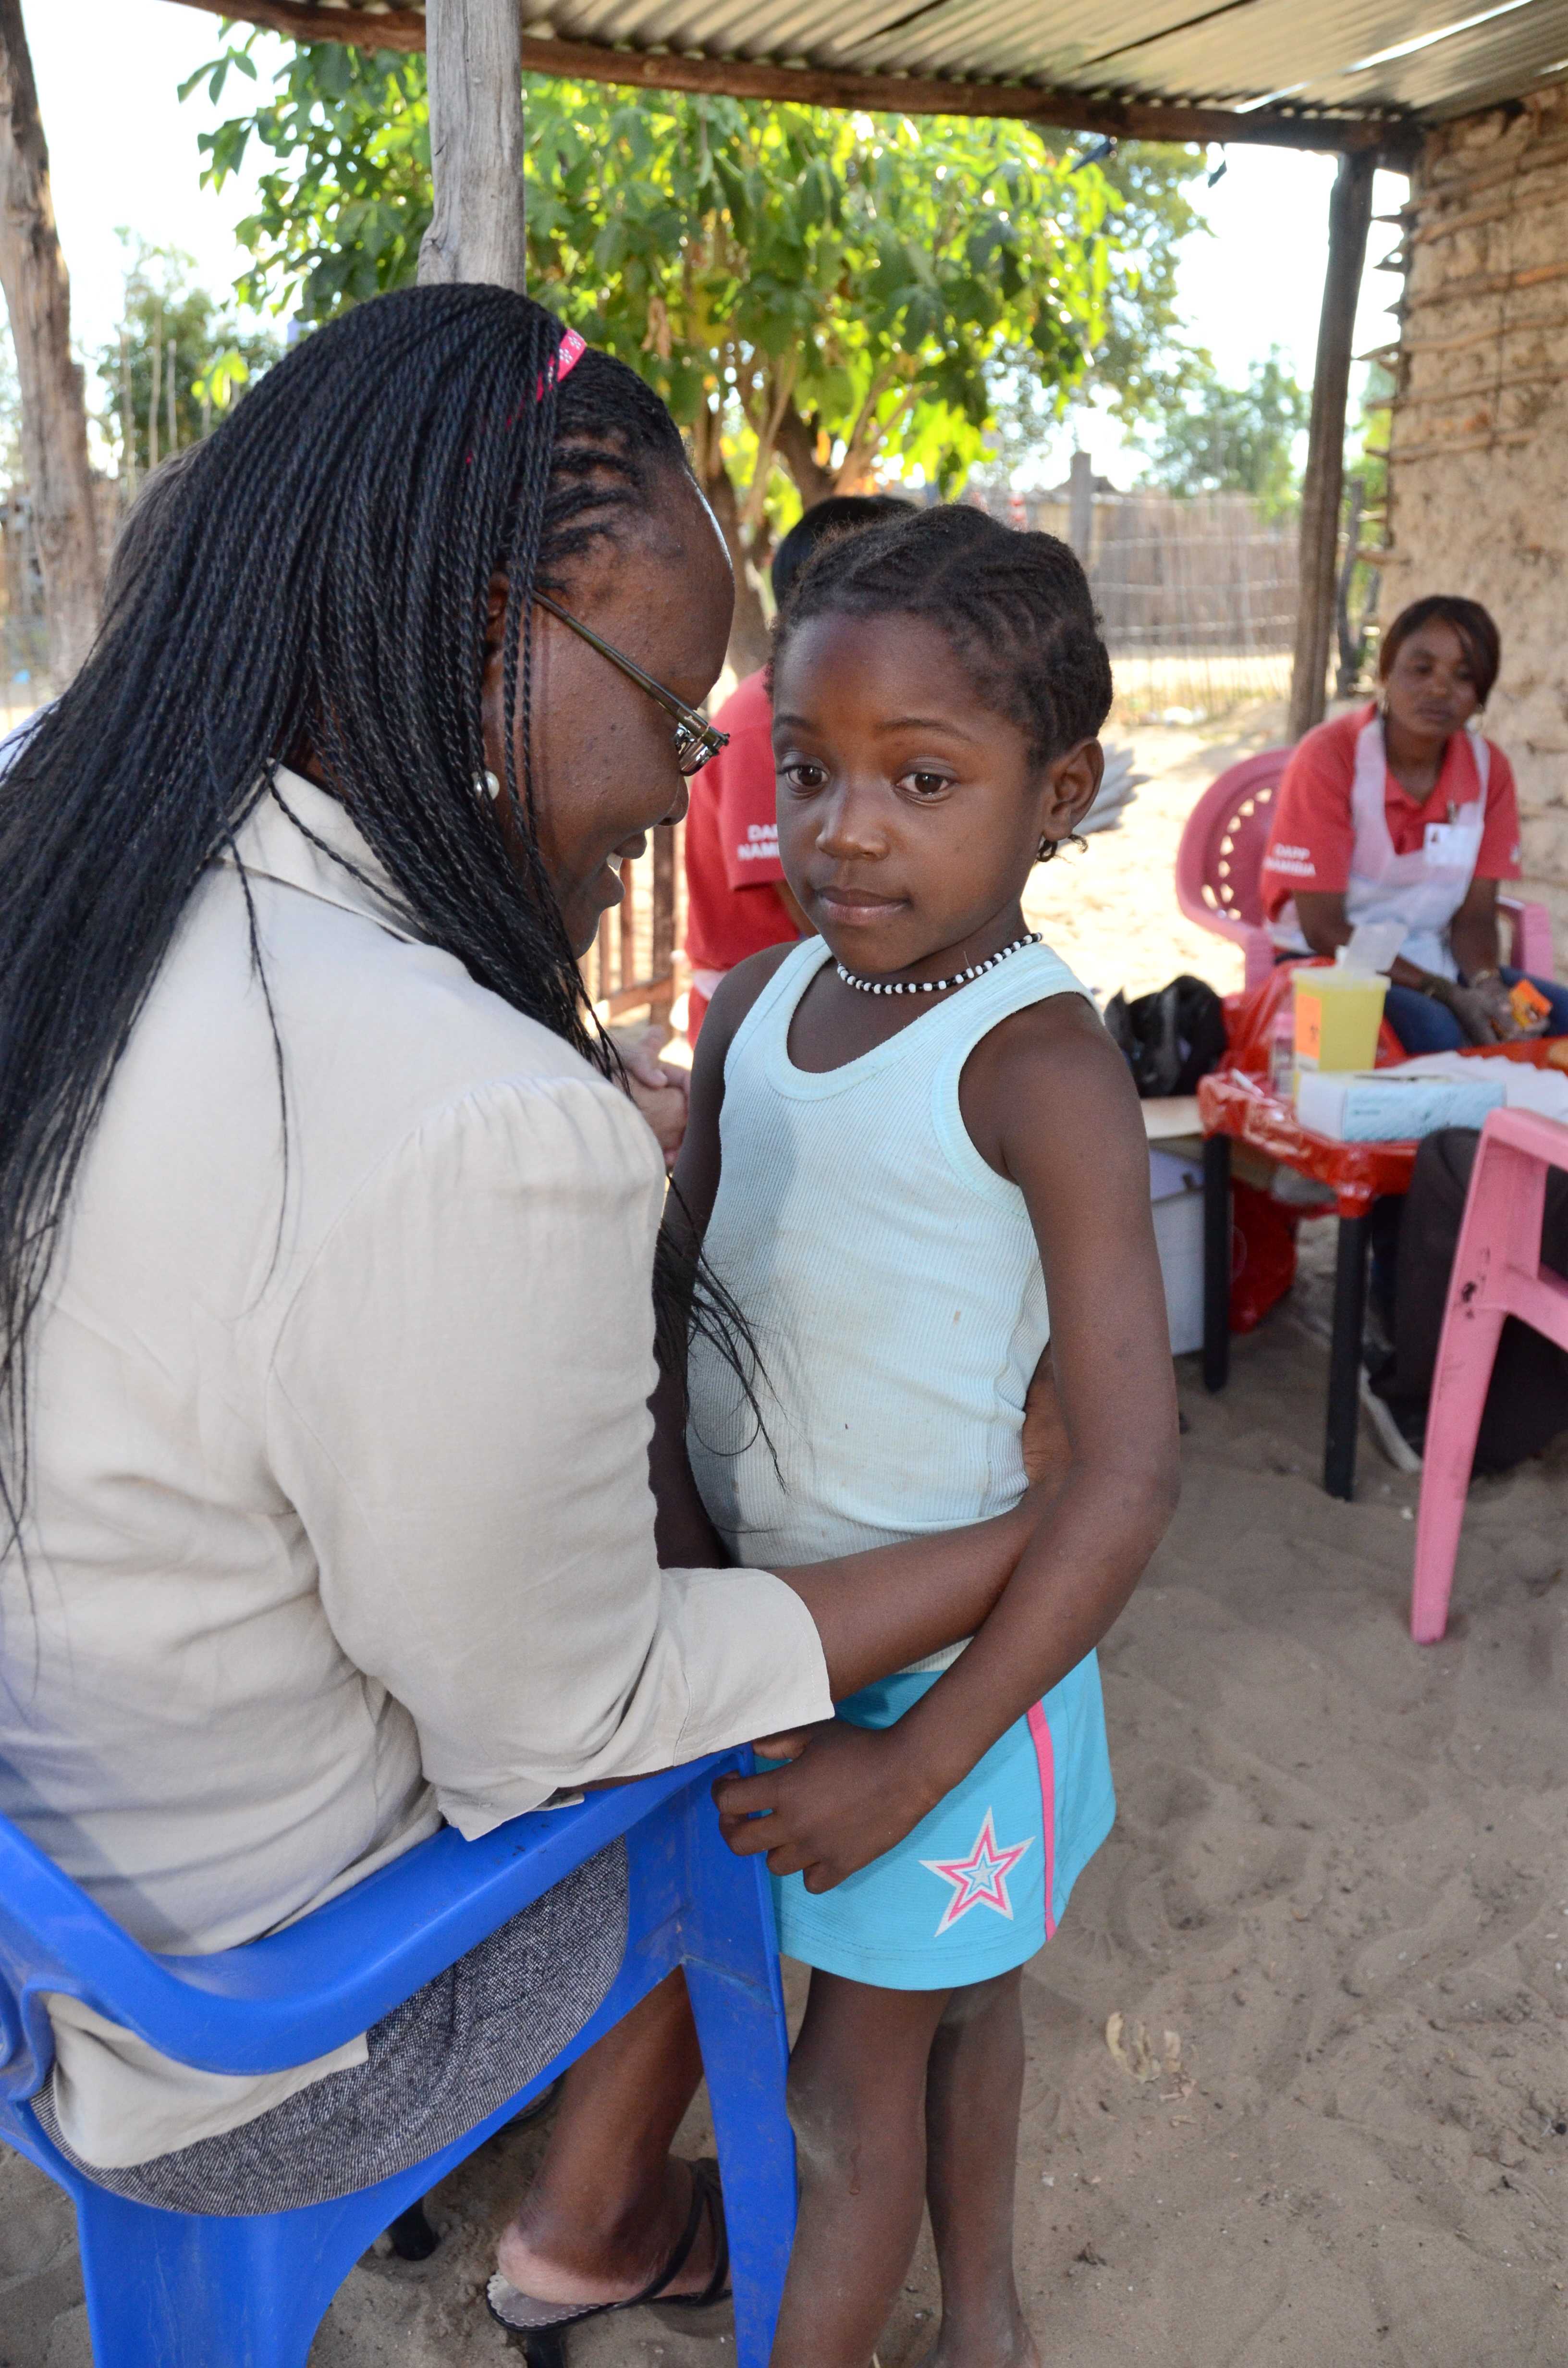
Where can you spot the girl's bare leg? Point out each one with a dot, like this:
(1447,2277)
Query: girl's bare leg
(973,2092)
(857,2101)
(608,2206)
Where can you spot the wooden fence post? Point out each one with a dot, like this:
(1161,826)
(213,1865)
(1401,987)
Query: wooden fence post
(477,232)
(55,414)
(1081,504)
(1349,215)
(475,53)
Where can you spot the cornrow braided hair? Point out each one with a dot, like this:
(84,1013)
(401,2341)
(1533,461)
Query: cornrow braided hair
(317,584)
(1017,608)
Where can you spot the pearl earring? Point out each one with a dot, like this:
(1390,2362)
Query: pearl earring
(492,786)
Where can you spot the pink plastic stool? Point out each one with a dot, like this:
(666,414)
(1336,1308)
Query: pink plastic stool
(1497,1273)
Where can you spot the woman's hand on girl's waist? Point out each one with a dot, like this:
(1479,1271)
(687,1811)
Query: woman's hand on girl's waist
(849,1794)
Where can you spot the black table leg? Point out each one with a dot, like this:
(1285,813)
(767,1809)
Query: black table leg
(1216,1262)
(1344,1357)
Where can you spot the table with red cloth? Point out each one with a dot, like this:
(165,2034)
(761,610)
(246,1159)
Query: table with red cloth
(1235,1106)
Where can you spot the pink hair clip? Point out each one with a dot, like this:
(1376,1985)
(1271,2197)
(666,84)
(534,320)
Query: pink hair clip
(568,354)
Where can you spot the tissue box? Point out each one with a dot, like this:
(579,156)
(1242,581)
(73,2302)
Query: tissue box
(1386,1106)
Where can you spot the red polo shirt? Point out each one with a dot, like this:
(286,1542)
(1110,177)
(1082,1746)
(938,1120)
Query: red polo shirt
(1312,834)
(732,906)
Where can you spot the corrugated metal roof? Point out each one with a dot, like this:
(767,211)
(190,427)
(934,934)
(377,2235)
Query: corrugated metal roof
(1157,50)
(1429,58)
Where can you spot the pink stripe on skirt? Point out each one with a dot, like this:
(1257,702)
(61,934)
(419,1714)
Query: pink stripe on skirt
(1039,1735)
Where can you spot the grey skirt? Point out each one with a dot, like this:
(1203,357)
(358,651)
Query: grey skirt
(437,2066)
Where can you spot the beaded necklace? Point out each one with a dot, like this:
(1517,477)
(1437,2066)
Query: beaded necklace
(935,986)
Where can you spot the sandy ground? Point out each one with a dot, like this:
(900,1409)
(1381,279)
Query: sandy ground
(1333,1916)
(1110,908)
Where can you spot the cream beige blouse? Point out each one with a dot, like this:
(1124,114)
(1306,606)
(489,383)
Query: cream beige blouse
(340,1522)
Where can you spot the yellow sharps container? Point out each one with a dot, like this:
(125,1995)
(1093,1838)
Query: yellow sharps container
(1338,1014)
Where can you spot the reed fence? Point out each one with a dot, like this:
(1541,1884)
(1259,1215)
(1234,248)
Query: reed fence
(1198,595)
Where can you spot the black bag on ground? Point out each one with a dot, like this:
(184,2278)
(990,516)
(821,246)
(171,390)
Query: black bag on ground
(1170,1039)
(1526,1403)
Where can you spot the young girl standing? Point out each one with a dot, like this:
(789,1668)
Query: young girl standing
(911,1137)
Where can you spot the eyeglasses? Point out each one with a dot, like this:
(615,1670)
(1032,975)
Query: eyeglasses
(696,739)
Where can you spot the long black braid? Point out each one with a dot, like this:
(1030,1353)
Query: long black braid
(1016,608)
(319,584)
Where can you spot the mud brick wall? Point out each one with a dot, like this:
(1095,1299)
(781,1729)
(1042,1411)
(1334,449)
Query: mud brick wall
(1478,466)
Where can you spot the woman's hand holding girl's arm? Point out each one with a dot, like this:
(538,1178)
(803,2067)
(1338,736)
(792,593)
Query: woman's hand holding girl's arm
(877,1611)
(660,1089)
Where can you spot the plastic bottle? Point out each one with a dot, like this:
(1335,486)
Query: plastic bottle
(1282,1053)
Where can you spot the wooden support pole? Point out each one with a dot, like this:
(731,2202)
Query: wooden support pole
(54,412)
(1349,216)
(475,55)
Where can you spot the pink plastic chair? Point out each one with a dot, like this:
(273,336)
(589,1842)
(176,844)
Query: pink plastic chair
(1220,857)
(1497,1273)
(1220,862)
(1531,949)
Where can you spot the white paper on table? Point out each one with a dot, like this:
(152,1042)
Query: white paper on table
(1524,1085)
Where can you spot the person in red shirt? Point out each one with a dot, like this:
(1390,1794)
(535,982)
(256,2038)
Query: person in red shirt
(1401,812)
(736,900)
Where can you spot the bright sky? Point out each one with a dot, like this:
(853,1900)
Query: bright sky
(1257,280)
(123,153)
(122,149)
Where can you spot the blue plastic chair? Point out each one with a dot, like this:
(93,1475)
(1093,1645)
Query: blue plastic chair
(185,2291)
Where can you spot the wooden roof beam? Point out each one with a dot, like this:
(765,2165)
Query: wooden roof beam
(1393,137)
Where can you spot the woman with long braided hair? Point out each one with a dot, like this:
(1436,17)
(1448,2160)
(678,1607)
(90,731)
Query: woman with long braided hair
(326,1233)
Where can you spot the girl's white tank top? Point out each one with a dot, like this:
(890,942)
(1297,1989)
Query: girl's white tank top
(890,1278)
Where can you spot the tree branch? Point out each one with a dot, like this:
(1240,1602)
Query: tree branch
(748,633)
(796,443)
(766,445)
(857,454)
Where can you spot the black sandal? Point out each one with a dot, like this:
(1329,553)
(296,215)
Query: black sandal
(525,2315)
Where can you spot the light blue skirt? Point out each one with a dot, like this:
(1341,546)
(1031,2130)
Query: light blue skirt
(978,1886)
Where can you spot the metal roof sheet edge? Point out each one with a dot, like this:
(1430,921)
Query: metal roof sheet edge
(1129,114)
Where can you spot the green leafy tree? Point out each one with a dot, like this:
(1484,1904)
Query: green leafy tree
(1128,370)
(1150,185)
(1366,457)
(179,350)
(1365,528)
(820,297)
(348,199)
(1214,438)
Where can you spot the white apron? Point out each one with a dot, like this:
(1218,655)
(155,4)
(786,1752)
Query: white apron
(1424,889)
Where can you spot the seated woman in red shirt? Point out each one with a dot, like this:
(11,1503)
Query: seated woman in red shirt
(1399,811)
